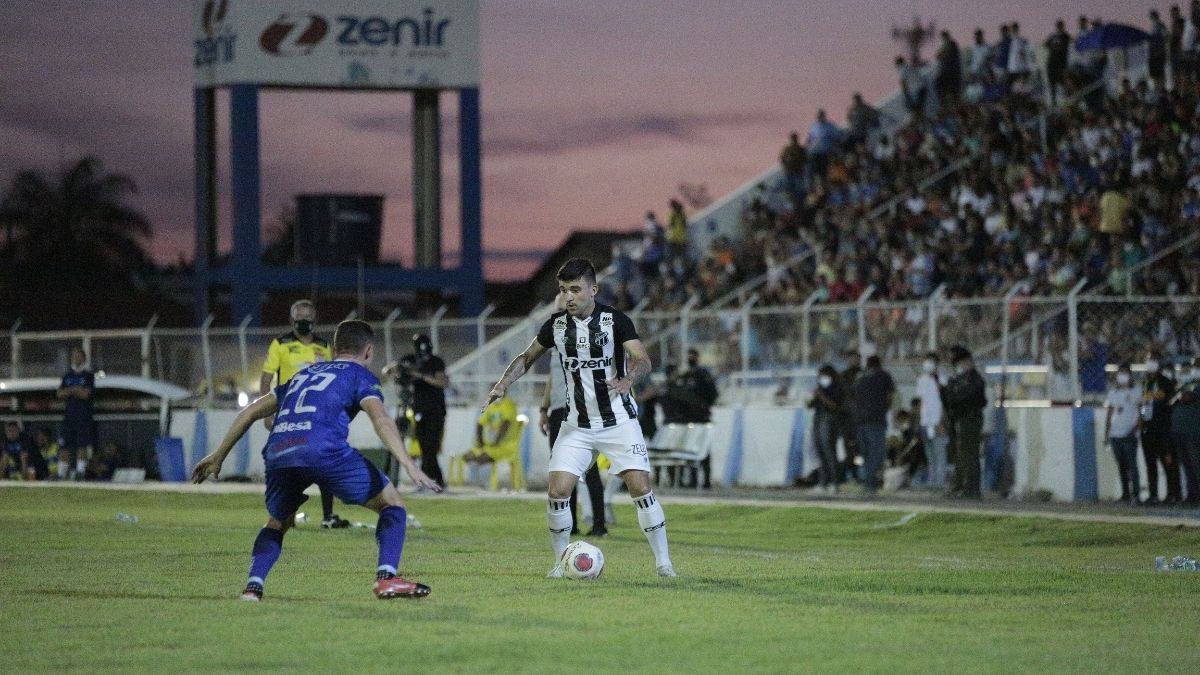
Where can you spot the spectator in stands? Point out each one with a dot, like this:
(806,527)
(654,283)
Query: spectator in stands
(823,140)
(1156,58)
(1158,391)
(793,160)
(862,121)
(677,236)
(948,83)
(874,390)
(826,404)
(1000,55)
(1058,50)
(932,420)
(1120,428)
(79,427)
(654,245)
(965,397)
(1020,59)
(1175,40)
(912,87)
(1114,207)
(980,59)
(846,382)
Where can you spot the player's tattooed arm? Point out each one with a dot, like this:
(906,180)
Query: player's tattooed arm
(639,366)
(516,369)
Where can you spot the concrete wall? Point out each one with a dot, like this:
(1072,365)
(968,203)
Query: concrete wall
(1056,450)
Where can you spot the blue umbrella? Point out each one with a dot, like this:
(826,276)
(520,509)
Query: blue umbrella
(1111,36)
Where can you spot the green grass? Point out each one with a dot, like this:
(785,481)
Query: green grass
(762,590)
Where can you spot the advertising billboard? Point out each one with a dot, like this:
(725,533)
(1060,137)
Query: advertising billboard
(337,43)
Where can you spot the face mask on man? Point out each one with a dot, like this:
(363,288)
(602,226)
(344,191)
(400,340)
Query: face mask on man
(962,369)
(929,366)
(302,326)
(1123,379)
(1152,366)
(825,380)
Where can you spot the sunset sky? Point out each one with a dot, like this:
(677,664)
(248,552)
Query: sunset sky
(593,112)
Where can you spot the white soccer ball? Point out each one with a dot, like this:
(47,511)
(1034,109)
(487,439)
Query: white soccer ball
(581,560)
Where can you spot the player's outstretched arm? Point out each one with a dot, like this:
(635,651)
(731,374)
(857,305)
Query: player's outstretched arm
(385,427)
(210,466)
(516,369)
(639,366)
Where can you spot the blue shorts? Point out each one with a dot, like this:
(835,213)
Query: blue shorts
(354,481)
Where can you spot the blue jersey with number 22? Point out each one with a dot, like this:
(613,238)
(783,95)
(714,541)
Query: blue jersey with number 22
(315,409)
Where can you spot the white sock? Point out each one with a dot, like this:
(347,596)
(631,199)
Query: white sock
(654,523)
(62,468)
(558,513)
(80,466)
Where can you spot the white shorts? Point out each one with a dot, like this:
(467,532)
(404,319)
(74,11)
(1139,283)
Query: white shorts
(576,448)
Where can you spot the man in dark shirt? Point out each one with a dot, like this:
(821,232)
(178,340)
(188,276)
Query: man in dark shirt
(965,399)
(429,380)
(1185,428)
(78,425)
(1058,50)
(846,414)
(694,392)
(1157,392)
(873,393)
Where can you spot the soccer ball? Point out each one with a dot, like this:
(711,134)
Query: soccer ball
(581,560)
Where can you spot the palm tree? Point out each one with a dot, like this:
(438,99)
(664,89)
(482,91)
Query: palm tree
(75,227)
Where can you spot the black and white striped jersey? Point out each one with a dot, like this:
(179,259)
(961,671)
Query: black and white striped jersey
(592,353)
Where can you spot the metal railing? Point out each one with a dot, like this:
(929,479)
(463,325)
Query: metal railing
(1056,348)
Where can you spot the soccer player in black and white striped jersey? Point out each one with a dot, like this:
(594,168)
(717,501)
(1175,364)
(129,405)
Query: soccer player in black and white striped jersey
(602,358)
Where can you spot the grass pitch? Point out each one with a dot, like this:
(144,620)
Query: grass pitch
(762,590)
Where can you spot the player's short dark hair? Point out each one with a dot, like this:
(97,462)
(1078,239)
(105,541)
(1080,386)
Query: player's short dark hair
(353,336)
(577,268)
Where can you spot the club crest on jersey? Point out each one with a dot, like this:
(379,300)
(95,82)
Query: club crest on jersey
(600,338)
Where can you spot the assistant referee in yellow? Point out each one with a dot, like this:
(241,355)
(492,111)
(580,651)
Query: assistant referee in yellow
(288,354)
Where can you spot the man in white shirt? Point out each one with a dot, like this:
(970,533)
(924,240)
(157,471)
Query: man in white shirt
(1121,430)
(929,390)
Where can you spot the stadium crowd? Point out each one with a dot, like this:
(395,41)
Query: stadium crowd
(984,184)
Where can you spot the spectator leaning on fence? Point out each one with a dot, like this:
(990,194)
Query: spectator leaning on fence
(1185,428)
(933,420)
(1157,445)
(874,390)
(1120,428)
(965,399)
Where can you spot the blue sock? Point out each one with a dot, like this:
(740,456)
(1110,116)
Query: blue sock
(267,547)
(393,521)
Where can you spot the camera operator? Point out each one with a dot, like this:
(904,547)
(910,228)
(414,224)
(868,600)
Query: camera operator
(427,373)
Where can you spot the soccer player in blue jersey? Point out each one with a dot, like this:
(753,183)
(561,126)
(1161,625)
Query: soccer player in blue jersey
(308,445)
